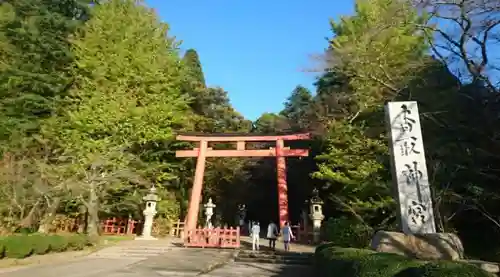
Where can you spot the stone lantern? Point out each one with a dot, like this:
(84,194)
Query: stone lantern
(316,214)
(242,213)
(149,213)
(209,212)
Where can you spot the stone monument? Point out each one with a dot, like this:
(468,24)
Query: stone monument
(409,169)
(413,194)
(149,213)
(209,212)
(316,215)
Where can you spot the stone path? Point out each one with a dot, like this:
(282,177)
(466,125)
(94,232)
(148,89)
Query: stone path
(260,270)
(158,258)
(243,269)
(295,247)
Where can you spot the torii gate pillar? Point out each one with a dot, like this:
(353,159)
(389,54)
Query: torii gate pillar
(282,186)
(195,199)
(280,152)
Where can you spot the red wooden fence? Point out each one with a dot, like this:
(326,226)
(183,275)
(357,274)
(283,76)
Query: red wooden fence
(118,226)
(213,238)
(302,233)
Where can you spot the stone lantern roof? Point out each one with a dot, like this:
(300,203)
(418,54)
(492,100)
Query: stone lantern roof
(151,196)
(315,198)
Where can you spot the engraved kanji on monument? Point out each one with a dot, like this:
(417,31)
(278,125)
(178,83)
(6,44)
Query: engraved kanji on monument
(409,168)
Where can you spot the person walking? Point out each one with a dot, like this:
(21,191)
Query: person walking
(255,236)
(287,236)
(272,235)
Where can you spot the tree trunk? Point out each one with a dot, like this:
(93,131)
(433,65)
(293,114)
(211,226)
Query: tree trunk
(93,211)
(50,214)
(83,219)
(27,221)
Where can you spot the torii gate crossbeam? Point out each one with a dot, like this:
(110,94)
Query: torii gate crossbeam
(203,151)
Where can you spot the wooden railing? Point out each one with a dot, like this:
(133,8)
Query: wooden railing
(177,229)
(213,238)
(118,226)
(302,233)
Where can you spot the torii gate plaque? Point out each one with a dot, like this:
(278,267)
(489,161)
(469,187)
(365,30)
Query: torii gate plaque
(203,151)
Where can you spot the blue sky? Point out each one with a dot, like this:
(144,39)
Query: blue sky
(256,50)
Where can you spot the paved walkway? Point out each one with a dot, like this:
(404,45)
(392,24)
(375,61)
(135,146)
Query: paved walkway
(294,247)
(159,258)
(263,269)
(260,270)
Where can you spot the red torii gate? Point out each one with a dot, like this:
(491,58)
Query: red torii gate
(203,151)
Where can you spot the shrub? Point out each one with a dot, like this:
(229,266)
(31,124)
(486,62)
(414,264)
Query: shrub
(21,246)
(444,269)
(346,232)
(78,242)
(39,242)
(2,248)
(352,262)
(332,261)
(384,265)
(58,243)
(18,247)
(323,246)
(26,230)
(162,226)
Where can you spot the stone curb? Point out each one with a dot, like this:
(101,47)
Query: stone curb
(62,257)
(44,260)
(218,264)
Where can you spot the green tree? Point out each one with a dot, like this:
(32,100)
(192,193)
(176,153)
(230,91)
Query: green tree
(364,49)
(296,108)
(380,52)
(219,116)
(34,60)
(192,61)
(270,123)
(194,84)
(126,94)
(35,57)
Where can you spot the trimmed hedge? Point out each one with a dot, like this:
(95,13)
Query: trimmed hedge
(22,246)
(345,232)
(444,269)
(352,262)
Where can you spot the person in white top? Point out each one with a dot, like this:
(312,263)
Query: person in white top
(287,236)
(272,234)
(255,236)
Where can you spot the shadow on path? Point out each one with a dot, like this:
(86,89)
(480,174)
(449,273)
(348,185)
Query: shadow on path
(280,247)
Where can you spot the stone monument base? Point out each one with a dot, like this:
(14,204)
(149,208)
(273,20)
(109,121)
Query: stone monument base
(145,238)
(436,246)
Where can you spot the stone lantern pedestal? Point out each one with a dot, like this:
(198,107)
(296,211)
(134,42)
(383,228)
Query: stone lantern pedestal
(209,212)
(316,215)
(149,213)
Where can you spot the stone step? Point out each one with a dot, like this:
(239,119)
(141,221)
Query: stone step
(137,252)
(270,257)
(273,261)
(137,248)
(276,253)
(144,249)
(119,257)
(130,252)
(277,257)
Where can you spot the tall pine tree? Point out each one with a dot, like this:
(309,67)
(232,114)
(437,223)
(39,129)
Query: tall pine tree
(35,58)
(192,61)
(296,108)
